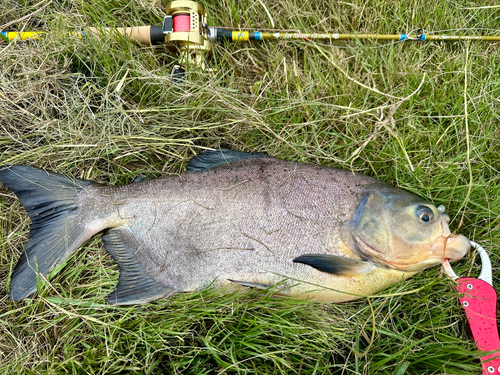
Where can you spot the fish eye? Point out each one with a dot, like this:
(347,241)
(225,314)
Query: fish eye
(425,213)
(425,217)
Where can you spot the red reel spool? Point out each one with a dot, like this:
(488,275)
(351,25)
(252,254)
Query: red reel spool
(182,22)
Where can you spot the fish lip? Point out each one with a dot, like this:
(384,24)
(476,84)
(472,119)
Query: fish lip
(449,241)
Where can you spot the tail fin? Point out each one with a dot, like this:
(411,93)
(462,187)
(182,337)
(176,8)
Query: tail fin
(49,199)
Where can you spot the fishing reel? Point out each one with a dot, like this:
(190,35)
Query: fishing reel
(185,29)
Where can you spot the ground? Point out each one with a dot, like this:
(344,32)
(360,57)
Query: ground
(422,116)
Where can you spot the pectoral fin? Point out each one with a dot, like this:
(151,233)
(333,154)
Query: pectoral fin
(334,264)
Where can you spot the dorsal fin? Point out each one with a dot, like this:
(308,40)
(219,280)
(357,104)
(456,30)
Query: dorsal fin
(140,178)
(213,158)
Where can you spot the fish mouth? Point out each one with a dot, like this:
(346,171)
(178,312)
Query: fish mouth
(451,246)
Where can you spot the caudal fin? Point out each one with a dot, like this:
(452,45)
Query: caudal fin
(49,199)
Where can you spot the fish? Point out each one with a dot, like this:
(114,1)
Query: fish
(233,221)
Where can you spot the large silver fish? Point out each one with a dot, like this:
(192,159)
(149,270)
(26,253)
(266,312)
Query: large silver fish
(235,219)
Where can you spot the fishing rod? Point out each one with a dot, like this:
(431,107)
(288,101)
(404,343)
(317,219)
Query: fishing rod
(185,29)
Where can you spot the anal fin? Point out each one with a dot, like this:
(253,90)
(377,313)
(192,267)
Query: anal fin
(135,286)
(334,264)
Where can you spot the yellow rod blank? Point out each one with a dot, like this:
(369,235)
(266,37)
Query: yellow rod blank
(142,34)
(326,36)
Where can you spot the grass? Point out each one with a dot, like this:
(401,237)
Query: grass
(420,116)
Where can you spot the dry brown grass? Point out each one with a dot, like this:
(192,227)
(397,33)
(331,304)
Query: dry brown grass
(107,110)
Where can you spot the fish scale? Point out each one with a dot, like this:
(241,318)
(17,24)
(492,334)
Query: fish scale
(235,220)
(234,202)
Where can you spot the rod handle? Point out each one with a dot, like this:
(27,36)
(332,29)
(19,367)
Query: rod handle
(142,34)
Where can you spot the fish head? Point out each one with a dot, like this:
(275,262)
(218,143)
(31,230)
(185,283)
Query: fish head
(398,230)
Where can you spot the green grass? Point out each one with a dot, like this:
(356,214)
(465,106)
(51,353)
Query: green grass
(107,110)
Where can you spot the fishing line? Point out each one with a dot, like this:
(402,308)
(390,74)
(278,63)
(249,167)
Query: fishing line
(182,22)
